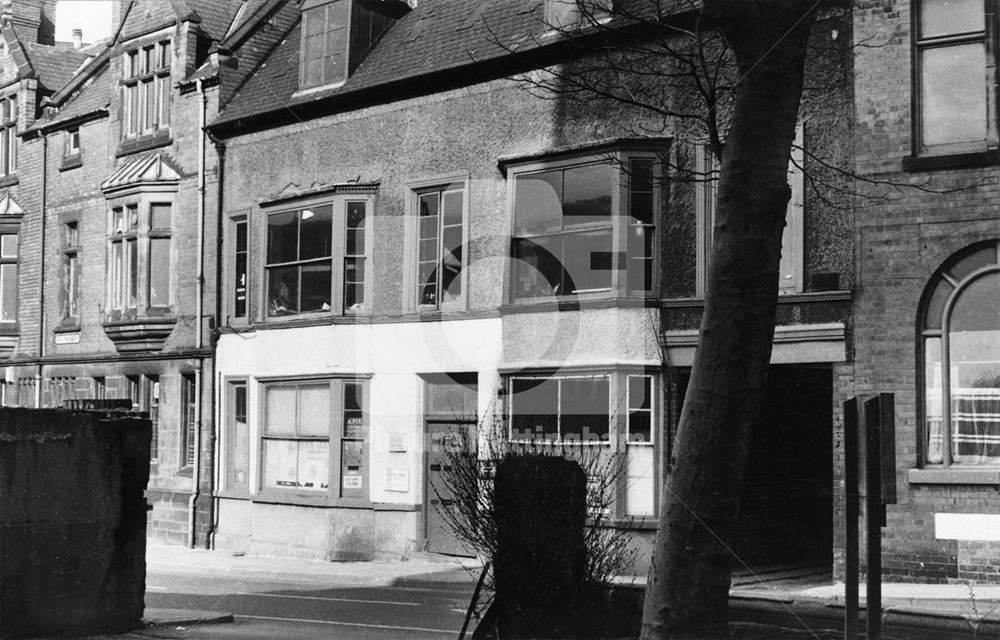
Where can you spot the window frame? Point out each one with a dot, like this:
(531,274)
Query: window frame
(71,263)
(920,44)
(416,189)
(339,203)
(231,485)
(120,264)
(146,70)
(188,421)
(9,116)
(337,434)
(11,228)
(620,222)
(941,278)
(310,9)
(232,269)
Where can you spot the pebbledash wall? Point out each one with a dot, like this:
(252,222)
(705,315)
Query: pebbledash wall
(946,524)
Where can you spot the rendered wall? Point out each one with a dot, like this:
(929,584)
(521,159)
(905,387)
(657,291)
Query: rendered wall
(72,521)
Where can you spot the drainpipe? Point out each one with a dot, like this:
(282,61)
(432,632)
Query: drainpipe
(220,168)
(199,304)
(41,279)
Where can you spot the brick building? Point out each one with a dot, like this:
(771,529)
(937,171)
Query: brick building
(409,243)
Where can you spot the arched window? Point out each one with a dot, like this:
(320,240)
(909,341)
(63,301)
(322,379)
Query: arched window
(960,340)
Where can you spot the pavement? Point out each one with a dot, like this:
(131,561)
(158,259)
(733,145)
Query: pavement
(804,600)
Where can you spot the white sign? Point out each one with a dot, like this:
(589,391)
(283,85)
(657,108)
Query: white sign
(397,480)
(352,481)
(68,338)
(397,442)
(967,526)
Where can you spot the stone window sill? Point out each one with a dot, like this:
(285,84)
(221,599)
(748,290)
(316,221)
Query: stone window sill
(71,162)
(144,143)
(951,161)
(955,475)
(8,181)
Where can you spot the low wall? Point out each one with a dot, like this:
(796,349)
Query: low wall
(72,521)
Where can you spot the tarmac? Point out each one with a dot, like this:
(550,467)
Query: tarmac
(809,601)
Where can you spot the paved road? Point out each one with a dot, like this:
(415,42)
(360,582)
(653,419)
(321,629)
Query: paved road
(275,610)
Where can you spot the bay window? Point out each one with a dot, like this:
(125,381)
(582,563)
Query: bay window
(140,274)
(585,227)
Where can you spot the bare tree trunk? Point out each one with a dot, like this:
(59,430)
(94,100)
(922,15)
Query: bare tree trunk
(689,579)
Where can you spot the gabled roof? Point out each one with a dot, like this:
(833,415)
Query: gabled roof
(144,16)
(149,169)
(9,206)
(54,65)
(436,37)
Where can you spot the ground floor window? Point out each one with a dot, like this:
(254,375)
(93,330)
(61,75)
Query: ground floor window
(611,413)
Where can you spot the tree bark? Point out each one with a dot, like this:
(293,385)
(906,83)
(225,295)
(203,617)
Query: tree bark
(689,579)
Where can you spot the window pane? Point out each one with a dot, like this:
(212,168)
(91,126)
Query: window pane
(313,465)
(132,253)
(534,409)
(451,204)
(953,94)
(159,216)
(239,461)
(942,17)
(279,401)
(451,263)
(317,283)
(353,411)
(984,257)
(8,292)
(640,252)
(240,271)
(281,464)
(935,306)
(356,212)
(587,195)
(584,409)
(932,399)
(538,202)
(314,409)
(8,246)
(639,392)
(538,268)
(282,237)
(316,232)
(589,261)
(283,291)
(975,372)
(159,272)
(639,482)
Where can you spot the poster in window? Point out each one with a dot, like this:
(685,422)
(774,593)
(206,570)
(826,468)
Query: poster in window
(280,462)
(314,466)
(354,425)
(351,466)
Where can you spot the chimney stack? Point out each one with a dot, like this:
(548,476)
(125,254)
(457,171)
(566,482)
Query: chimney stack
(77,38)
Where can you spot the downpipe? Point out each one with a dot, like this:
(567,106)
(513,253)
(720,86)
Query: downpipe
(199,307)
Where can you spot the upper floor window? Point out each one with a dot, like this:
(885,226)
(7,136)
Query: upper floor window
(9,254)
(440,260)
(239,257)
(139,264)
(71,271)
(324,43)
(73,142)
(317,258)
(955,100)
(960,336)
(146,90)
(8,135)
(585,228)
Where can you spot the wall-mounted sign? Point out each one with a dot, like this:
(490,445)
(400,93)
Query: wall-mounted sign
(397,442)
(397,480)
(68,338)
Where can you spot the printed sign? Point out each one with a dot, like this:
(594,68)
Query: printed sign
(397,480)
(397,442)
(68,338)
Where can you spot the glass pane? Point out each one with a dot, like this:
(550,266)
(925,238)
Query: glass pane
(584,409)
(640,252)
(587,195)
(8,246)
(159,216)
(317,283)
(428,250)
(451,399)
(282,237)
(534,409)
(953,94)
(159,272)
(280,464)
(932,399)
(451,263)
(639,392)
(313,465)
(640,427)
(934,313)
(428,215)
(354,420)
(942,17)
(589,261)
(538,203)
(316,232)
(240,456)
(283,291)
(314,409)
(639,482)
(8,292)
(132,253)
(279,402)
(452,208)
(974,344)
(983,257)
(538,270)
(356,228)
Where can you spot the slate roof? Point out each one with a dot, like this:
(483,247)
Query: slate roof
(55,65)
(436,36)
(216,15)
(95,96)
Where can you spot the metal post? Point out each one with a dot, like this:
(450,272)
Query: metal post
(851,572)
(874,517)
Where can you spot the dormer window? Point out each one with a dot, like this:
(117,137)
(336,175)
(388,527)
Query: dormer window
(146,90)
(567,14)
(336,36)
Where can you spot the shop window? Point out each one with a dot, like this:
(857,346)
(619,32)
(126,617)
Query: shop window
(238,438)
(8,135)
(585,228)
(317,259)
(146,90)
(615,412)
(71,272)
(314,438)
(440,261)
(960,354)
(9,259)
